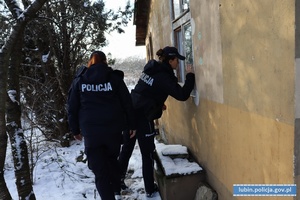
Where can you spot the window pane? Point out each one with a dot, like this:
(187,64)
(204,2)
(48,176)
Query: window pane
(176,8)
(185,4)
(188,45)
(180,72)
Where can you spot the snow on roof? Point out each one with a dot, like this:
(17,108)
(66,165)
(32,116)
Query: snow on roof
(176,166)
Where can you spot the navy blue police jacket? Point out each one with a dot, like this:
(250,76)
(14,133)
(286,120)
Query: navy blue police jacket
(99,103)
(156,83)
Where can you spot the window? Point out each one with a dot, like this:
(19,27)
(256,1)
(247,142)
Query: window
(179,7)
(149,48)
(183,42)
(188,44)
(182,31)
(180,72)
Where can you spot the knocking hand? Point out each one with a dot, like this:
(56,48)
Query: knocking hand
(189,68)
(132,133)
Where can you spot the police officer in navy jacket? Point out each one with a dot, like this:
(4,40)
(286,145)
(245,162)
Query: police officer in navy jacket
(156,83)
(99,109)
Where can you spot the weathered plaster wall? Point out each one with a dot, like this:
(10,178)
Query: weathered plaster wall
(242,131)
(297,98)
(159,25)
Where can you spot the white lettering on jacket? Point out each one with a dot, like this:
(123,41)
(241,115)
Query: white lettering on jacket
(105,87)
(147,79)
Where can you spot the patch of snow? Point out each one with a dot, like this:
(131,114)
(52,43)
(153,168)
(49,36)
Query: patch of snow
(175,166)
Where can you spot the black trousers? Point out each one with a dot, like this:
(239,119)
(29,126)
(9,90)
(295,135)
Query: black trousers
(126,152)
(103,161)
(145,135)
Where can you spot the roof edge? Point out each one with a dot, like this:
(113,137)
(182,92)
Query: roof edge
(140,19)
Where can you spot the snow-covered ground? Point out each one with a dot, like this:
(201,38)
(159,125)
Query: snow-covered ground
(59,175)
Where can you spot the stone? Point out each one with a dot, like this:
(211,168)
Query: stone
(205,192)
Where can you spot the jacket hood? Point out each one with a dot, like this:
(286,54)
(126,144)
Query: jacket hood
(154,67)
(97,72)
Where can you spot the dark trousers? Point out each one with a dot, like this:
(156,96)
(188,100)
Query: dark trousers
(102,160)
(126,152)
(145,136)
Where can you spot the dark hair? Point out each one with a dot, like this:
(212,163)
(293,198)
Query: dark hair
(164,57)
(96,58)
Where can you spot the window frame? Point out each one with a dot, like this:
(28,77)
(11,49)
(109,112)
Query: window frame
(149,48)
(181,10)
(178,25)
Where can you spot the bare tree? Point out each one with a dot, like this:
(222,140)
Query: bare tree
(65,43)
(132,68)
(14,128)
(5,55)
(66,33)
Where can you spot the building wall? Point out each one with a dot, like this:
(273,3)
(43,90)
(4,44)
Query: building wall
(242,130)
(297,98)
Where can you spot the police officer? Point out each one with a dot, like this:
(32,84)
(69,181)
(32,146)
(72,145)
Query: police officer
(99,108)
(156,83)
